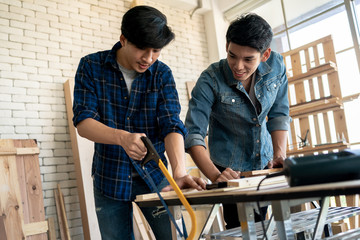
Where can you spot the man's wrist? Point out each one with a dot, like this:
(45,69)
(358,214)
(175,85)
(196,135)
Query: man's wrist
(215,177)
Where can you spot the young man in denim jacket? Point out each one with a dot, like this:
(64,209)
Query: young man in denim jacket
(121,95)
(242,102)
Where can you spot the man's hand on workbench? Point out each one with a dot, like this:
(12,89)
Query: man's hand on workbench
(188,181)
(277,162)
(227,175)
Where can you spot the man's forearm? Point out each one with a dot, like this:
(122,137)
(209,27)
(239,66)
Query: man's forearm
(202,160)
(279,141)
(174,146)
(97,132)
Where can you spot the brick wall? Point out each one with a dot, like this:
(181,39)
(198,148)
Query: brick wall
(41,42)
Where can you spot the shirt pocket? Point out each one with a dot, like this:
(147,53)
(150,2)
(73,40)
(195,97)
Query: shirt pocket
(273,85)
(271,88)
(232,105)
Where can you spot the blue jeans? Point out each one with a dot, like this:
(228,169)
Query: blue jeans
(116,217)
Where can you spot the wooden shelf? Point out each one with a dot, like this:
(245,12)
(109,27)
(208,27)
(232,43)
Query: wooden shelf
(318,148)
(315,106)
(314,72)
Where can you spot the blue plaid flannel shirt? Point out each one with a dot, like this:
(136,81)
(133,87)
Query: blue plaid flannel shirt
(152,108)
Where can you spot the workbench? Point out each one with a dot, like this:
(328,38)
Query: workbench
(279,195)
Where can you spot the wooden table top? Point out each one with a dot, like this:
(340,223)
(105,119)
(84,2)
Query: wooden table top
(276,191)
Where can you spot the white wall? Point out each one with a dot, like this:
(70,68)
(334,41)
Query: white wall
(41,43)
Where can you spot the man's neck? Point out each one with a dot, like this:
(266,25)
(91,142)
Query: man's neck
(121,60)
(247,83)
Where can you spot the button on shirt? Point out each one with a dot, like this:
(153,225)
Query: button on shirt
(239,135)
(152,108)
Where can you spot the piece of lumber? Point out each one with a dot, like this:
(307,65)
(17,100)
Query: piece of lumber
(51,227)
(260,172)
(315,106)
(2,229)
(254,181)
(21,174)
(82,150)
(18,151)
(189,87)
(339,227)
(142,225)
(10,199)
(314,72)
(249,183)
(61,212)
(35,228)
(27,162)
(318,148)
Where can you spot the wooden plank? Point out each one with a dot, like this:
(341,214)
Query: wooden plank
(309,45)
(25,163)
(35,228)
(319,148)
(58,210)
(233,185)
(260,172)
(61,212)
(316,106)
(340,124)
(189,87)
(326,124)
(142,225)
(338,227)
(51,227)
(18,151)
(82,150)
(2,229)
(30,184)
(10,197)
(323,69)
(353,200)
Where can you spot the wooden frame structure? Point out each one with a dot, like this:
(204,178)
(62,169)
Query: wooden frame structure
(21,199)
(316,105)
(315,99)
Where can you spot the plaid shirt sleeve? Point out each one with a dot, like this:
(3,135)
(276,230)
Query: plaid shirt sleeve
(169,107)
(85,98)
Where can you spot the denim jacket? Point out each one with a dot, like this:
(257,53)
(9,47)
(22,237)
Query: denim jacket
(239,138)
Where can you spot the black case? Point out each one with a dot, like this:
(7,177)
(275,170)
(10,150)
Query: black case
(323,168)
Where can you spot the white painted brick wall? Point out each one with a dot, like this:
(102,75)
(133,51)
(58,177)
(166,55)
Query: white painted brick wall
(41,43)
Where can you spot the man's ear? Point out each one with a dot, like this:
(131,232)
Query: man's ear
(265,56)
(122,39)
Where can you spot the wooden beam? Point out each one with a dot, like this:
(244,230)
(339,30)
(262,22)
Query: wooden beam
(11,208)
(4,151)
(61,212)
(314,72)
(51,227)
(35,228)
(260,172)
(315,106)
(233,185)
(318,148)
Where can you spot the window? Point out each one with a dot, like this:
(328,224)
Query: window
(301,22)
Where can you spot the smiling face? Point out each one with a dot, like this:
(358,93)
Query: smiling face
(243,61)
(133,58)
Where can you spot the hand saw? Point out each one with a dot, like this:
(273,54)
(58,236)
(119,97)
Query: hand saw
(153,155)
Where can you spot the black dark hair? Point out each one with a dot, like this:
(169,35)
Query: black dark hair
(146,26)
(250,30)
